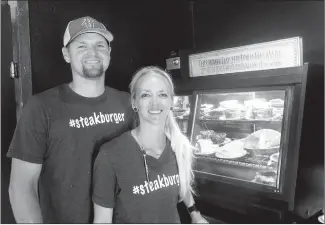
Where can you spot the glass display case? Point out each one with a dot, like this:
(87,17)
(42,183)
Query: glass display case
(237,135)
(254,133)
(181,111)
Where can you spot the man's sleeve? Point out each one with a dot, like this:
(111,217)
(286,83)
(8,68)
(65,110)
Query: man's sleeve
(104,180)
(132,122)
(29,140)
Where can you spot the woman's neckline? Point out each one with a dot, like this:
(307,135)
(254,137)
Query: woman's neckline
(151,153)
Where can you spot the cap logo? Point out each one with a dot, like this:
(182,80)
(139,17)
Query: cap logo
(88,23)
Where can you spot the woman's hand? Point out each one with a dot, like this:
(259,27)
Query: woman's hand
(197,217)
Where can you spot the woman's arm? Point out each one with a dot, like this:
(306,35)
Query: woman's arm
(102,214)
(196,216)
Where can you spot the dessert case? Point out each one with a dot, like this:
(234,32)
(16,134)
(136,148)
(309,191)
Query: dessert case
(237,134)
(254,133)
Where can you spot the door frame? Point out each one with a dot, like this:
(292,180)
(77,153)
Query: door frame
(21,52)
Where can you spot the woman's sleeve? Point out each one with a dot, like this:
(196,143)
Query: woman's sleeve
(104,180)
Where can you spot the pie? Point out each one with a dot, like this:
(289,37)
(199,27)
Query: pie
(263,139)
(231,150)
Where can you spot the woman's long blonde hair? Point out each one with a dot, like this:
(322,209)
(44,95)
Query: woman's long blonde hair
(179,142)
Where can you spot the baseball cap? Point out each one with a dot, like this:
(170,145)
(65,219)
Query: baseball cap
(83,25)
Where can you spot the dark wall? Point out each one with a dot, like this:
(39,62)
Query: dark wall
(225,24)
(145,33)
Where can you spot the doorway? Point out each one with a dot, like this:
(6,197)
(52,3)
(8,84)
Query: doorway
(8,110)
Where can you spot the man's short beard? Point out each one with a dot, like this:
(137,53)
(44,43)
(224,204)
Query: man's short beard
(93,72)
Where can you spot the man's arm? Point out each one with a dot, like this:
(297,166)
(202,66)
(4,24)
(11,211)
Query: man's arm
(23,191)
(102,214)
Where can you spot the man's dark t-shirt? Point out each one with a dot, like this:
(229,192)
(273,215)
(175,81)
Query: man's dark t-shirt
(120,183)
(63,131)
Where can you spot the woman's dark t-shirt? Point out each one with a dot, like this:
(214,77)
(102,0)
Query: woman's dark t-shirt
(120,182)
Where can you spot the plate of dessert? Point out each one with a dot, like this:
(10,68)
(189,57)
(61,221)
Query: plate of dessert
(232,150)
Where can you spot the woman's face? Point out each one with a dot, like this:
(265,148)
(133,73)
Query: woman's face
(153,98)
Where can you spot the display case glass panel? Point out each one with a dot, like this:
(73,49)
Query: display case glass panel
(237,135)
(181,111)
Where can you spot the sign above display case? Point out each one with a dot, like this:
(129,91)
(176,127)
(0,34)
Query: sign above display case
(263,56)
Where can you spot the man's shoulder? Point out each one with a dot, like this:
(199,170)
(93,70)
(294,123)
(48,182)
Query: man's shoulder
(117,145)
(44,98)
(117,94)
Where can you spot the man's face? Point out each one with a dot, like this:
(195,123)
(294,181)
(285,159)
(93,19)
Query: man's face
(88,55)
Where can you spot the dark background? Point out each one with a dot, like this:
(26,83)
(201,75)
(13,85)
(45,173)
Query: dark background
(146,31)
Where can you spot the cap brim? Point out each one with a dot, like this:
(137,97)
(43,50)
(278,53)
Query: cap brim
(105,33)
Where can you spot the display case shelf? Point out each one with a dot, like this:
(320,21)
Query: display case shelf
(244,163)
(241,121)
(182,119)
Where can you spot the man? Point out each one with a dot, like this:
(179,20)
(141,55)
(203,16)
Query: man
(60,131)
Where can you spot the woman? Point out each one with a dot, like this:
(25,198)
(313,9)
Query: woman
(140,176)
